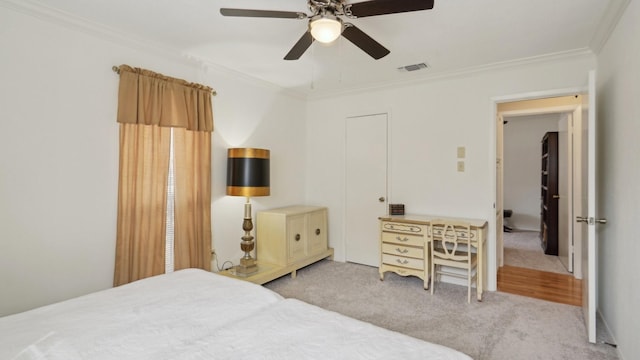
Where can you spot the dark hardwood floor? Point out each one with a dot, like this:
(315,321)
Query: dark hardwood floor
(543,285)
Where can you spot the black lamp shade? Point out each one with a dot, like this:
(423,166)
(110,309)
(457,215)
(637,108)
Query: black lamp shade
(248,172)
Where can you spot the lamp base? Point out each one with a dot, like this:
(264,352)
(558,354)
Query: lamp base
(247,267)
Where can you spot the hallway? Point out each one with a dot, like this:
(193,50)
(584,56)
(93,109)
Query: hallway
(529,272)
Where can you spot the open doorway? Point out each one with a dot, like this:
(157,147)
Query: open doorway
(524,186)
(522,125)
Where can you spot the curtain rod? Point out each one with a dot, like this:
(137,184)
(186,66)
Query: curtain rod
(116,69)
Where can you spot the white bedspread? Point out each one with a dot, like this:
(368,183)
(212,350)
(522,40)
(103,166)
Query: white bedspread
(292,329)
(141,320)
(194,314)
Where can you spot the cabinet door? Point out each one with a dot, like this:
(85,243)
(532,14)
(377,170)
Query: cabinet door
(317,227)
(296,237)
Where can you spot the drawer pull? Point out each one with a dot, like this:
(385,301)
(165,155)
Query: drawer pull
(402,251)
(405,239)
(317,231)
(402,262)
(297,237)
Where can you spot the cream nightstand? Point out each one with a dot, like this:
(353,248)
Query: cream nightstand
(288,239)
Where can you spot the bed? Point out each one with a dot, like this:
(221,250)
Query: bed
(194,314)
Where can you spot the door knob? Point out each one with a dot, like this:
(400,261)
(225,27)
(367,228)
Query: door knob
(381,199)
(556,196)
(590,220)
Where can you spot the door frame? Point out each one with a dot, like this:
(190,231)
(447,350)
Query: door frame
(494,251)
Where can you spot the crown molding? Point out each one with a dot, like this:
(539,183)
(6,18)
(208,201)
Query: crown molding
(608,24)
(444,75)
(64,19)
(209,65)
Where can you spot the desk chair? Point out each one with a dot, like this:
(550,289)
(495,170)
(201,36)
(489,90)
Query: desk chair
(450,247)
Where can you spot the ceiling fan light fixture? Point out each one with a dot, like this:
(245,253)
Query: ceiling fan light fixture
(325,28)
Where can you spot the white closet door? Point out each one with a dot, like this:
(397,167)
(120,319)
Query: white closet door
(366,186)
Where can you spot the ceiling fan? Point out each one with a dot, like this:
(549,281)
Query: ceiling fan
(326,24)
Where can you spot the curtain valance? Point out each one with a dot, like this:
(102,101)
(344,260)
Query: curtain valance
(149,98)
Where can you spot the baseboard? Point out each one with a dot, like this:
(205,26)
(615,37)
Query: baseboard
(613,338)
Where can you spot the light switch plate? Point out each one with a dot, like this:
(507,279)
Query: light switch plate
(460,166)
(461,152)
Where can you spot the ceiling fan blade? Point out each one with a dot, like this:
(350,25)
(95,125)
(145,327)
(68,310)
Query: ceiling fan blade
(383,7)
(300,47)
(364,42)
(263,13)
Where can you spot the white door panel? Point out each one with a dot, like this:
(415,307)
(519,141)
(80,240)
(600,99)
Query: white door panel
(499,205)
(366,186)
(565,219)
(588,210)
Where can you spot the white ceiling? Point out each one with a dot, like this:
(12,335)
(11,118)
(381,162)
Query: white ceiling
(456,35)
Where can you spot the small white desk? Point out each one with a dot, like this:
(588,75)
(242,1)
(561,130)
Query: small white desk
(416,256)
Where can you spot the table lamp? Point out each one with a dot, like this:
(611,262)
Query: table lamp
(247,175)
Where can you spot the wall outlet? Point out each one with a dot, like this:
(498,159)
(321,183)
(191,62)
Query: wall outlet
(460,166)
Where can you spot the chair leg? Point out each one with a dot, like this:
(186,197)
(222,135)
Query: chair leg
(478,292)
(433,275)
(469,285)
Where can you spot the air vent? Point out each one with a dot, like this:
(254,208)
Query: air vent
(414,67)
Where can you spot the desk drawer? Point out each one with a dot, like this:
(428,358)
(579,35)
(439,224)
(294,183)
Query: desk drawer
(411,229)
(403,261)
(461,235)
(402,239)
(400,250)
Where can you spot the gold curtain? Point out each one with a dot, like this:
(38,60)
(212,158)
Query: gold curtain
(192,155)
(149,98)
(142,202)
(149,105)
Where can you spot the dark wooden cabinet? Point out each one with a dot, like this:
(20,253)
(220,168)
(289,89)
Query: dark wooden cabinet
(549,194)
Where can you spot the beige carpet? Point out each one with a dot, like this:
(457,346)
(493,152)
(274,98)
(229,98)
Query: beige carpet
(522,249)
(503,326)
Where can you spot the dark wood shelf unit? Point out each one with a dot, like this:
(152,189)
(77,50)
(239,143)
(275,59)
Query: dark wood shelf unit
(549,194)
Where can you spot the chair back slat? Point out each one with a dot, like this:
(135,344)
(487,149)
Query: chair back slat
(448,236)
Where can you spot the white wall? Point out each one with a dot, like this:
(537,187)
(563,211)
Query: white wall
(58,171)
(247,114)
(522,136)
(618,109)
(428,122)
